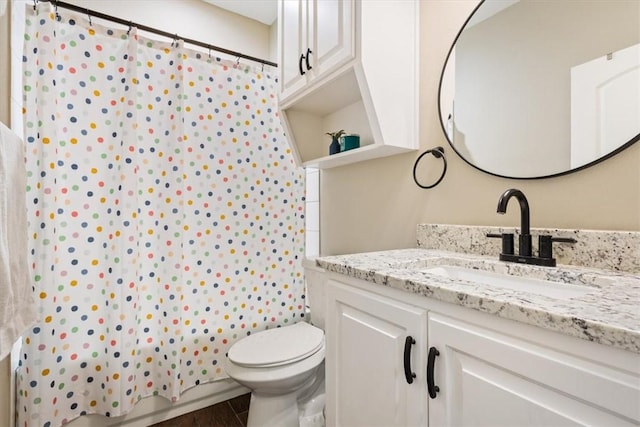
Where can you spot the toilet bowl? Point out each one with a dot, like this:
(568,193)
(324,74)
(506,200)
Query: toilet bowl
(280,367)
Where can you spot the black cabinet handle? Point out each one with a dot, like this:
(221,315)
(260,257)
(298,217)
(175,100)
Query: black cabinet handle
(309,52)
(407,359)
(302,73)
(431,364)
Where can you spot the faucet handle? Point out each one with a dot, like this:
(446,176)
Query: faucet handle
(545,247)
(507,241)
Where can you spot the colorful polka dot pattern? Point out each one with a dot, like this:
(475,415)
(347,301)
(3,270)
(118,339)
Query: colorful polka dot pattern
(166,217)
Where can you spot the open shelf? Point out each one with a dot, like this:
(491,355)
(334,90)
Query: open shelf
(336,105)
(364,95)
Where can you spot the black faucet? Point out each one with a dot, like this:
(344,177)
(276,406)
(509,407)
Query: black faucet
(524,240)
(525,253)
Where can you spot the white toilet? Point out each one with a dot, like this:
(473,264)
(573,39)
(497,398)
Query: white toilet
(281,367)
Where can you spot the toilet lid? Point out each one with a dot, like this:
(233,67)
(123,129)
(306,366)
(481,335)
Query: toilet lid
(278,346)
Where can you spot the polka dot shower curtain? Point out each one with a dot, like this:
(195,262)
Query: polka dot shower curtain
(165,214)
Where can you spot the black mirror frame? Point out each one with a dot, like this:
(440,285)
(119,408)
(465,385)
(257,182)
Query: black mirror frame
(442,124)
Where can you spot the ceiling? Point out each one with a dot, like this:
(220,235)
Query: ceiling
(264,11)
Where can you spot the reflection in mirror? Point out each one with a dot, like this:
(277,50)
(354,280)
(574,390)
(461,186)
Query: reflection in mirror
(538,88)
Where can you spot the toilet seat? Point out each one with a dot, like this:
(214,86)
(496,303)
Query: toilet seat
(277,347)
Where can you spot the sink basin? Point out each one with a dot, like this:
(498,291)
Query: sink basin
(504,281)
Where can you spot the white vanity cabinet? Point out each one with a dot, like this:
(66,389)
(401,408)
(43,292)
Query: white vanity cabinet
(350,65)
(316,37)
(490,378)
(367,338)
(488,370)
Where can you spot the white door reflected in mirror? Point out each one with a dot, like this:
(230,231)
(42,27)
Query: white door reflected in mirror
(605,104)
(507,100)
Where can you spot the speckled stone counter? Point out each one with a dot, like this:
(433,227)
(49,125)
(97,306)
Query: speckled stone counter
(608,313)
(608,250)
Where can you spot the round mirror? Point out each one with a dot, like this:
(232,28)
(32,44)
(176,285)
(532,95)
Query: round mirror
(541,88)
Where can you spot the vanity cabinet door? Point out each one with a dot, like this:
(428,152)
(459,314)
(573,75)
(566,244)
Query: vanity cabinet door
(366,342)
(489,378)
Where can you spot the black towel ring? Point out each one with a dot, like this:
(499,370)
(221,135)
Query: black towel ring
(438,153)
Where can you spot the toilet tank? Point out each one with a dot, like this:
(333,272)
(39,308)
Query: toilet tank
(316,284)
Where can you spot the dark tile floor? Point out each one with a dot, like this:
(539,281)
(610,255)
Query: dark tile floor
(232,413)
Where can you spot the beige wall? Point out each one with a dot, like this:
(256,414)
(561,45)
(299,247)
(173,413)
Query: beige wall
(191,19)
(375,205)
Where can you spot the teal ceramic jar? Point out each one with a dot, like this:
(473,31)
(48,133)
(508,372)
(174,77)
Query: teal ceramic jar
(350,141)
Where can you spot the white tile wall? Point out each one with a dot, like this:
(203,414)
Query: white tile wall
(312,209)
(313,185)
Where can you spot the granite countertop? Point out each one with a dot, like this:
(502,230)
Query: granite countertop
(606,312)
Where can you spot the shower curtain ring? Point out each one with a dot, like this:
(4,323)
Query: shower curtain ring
(89,15)
(35,3)
(130,27)
(58,17)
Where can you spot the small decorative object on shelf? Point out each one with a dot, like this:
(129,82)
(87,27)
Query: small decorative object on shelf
(350,141)
(334,148)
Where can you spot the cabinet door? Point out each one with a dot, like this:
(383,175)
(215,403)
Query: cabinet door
(292,43)
(491,379)
(332,35)
(366,337)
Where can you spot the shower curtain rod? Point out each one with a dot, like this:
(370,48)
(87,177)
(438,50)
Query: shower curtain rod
(96,14)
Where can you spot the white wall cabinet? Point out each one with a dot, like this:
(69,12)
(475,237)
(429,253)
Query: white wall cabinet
(368,336)
(316,37)
(351,65)
(488,371)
